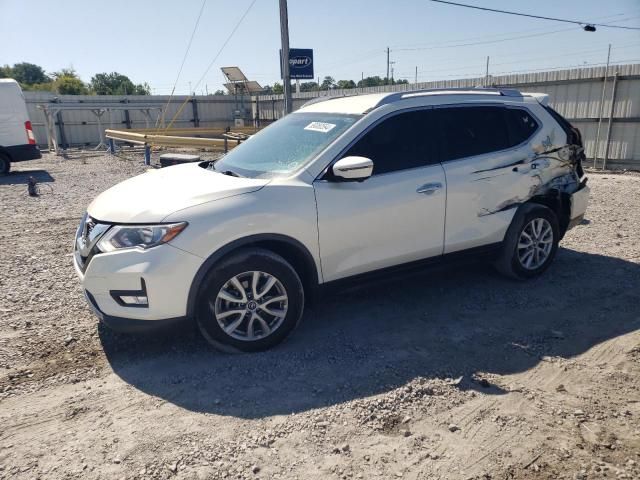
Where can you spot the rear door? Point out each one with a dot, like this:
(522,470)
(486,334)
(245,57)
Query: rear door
(396,215)
(486,158)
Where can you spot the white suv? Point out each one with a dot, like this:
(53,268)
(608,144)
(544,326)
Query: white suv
(341,188)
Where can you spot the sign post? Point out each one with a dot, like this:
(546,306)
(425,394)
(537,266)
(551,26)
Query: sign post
(300,67)
(301,63)
(284,65)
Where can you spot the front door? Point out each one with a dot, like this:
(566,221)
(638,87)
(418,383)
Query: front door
(395,216)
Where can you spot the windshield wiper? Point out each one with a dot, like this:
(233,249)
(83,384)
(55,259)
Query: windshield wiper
(231,174)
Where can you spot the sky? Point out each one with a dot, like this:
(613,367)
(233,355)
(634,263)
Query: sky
(147,39)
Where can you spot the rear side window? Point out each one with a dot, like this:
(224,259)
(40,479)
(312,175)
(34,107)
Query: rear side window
(521,125)
(573,134)
(400,142)
(469,131)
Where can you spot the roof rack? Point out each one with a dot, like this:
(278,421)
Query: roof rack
(395,96)
(505,92)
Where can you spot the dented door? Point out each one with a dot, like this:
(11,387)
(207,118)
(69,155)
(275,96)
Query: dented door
(515,163)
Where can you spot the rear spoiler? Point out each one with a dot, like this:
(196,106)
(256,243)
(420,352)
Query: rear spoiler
(542,98)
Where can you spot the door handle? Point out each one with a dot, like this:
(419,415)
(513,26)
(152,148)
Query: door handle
(429,188)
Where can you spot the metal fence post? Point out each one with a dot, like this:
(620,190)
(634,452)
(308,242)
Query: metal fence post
(196,119)
(111,148)
(613,104)
(147,154)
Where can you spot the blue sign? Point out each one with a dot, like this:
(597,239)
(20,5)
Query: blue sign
(300,63)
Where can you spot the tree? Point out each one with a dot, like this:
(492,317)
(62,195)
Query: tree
(5,72)
(67,82)
(309,87)
(371,82)
(219,92)
(66,85)
(115,83)
(346,84)
(327,83)
(28,73)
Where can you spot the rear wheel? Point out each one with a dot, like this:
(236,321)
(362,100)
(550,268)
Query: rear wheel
(251,301)
(5,164)
(531,242)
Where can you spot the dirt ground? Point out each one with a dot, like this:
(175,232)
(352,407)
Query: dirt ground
(452,374)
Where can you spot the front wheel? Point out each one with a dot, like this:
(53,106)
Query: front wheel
(249,302)
(531,242)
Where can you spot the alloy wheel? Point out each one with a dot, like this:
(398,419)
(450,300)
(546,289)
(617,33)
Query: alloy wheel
(250,305)
(535,243)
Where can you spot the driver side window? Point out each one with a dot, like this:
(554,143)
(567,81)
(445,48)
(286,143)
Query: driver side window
(399,142)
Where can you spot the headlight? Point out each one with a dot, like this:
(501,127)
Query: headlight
(141,236)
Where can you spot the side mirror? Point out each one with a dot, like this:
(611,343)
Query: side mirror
(353,168)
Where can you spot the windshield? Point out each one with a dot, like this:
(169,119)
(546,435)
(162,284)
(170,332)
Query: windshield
(286,145)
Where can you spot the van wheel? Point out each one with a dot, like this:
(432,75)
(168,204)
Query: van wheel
(531,242)
(249,302)
(5,164)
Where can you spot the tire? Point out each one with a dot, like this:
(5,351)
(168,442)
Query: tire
(519,261)
(257,318)
(5,164)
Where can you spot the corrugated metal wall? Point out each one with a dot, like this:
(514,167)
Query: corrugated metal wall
(575,93)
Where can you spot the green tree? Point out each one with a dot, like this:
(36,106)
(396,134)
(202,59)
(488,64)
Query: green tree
(28,73)
(309,87)
(345,84)
(67,82)
(66,85)
(115,83)
(5,72)
(327,83)
(375,81)
(219,92)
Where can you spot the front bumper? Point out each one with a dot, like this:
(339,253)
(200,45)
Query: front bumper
(128,325)
(165,271)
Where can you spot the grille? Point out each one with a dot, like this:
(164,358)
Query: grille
(87,237)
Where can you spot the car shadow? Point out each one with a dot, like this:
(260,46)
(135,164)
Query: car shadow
(22,177)
(446,323)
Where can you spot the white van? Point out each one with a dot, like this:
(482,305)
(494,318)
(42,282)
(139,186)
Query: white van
(17,142)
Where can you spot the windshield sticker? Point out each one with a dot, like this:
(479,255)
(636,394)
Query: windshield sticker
(321,127)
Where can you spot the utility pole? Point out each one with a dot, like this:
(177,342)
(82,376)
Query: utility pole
(416,79)
(604,88)
(284,40)
(486,75)
(386,81)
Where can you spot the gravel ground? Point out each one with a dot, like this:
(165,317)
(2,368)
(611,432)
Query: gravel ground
(454,373)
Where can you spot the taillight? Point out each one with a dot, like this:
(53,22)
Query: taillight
(30,136)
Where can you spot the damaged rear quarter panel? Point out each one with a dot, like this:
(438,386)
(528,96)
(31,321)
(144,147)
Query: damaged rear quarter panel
(484,191)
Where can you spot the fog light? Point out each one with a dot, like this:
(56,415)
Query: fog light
(132,298)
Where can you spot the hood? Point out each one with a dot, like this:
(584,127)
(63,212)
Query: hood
(150,197)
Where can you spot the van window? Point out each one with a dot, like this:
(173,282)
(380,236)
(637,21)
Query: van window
(469,131)
(400,142)
(521,125)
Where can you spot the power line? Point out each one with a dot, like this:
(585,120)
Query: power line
(184,59)
(576,22)
(237,25)
(246,12)
(193,33)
